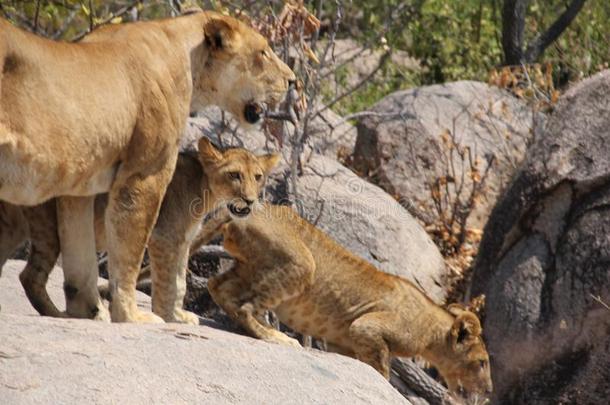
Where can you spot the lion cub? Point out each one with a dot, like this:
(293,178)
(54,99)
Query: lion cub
(318,288)
(233,179)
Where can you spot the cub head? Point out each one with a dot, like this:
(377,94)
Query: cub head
(236,177)
(466,366)
(238,70)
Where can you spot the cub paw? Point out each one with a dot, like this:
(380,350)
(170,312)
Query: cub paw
(282,339)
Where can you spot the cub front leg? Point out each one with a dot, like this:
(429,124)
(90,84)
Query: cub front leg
(370,335)
(169,263)
(133,207)
(79,261)
(264,289)
(233,295)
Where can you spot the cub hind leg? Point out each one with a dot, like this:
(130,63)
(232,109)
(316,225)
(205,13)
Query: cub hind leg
(13,230)
(245,293)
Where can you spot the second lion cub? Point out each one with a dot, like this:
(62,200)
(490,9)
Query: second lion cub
(318,288)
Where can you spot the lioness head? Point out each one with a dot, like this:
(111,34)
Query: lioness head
(466,366)
(236,176)
(240,73)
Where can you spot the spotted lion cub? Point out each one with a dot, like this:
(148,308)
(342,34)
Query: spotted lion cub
(318,288)
(233,178)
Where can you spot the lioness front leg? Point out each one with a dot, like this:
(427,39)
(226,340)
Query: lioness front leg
(168,267)
(133,207)
(79,261)
(44,238)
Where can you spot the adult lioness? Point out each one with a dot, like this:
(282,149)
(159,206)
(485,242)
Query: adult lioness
(233,178)
(105,115)
(318,288)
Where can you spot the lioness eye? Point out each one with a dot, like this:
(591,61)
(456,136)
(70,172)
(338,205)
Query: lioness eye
(258,177)
(482,363)
(234,175)
(264,53)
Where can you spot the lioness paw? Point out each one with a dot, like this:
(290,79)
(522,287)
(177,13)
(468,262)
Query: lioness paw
(187,317)
(103,315)
(143,317)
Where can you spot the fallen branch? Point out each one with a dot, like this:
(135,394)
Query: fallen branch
(213,251)
(421,383)
(600,301)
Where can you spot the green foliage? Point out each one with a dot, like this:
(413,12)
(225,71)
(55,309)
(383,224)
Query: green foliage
(456,40)
(67,19)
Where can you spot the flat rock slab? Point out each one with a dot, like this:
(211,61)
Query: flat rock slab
(46,360)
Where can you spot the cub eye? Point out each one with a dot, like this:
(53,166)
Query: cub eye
(234,175)
(264,53)
(482,363)
(258,177)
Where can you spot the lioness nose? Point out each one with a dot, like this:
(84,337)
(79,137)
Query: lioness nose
(292,83)
(248,201)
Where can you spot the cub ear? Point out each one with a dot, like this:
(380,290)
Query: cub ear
(269,161)
(218,34)
(465,327)
(208,154)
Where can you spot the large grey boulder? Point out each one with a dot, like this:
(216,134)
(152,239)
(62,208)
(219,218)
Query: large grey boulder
(544,261)
(416,136)
(46,360)
(370,223)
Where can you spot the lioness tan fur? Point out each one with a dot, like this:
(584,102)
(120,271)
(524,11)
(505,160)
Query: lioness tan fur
(106,115)
(318,288)
(233,178)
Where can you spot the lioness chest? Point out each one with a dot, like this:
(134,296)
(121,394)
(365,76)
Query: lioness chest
(69,112)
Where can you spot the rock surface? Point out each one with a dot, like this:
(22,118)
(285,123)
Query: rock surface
(411,143)
(544,260)
(46,360)
(370,223)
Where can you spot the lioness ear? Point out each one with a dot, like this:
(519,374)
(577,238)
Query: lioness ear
(218,34)
(208,154)
(269,161)
(465,326)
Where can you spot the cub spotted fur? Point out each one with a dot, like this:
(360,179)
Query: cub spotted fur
(105,115)
(233,179)
(318,288)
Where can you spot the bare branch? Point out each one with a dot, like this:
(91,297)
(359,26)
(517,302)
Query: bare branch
(36,15)
(382,61)
(513,26)
(119,13)
(421,383)
(538,45)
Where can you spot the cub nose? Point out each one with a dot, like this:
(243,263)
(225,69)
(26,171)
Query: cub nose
(248,201)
